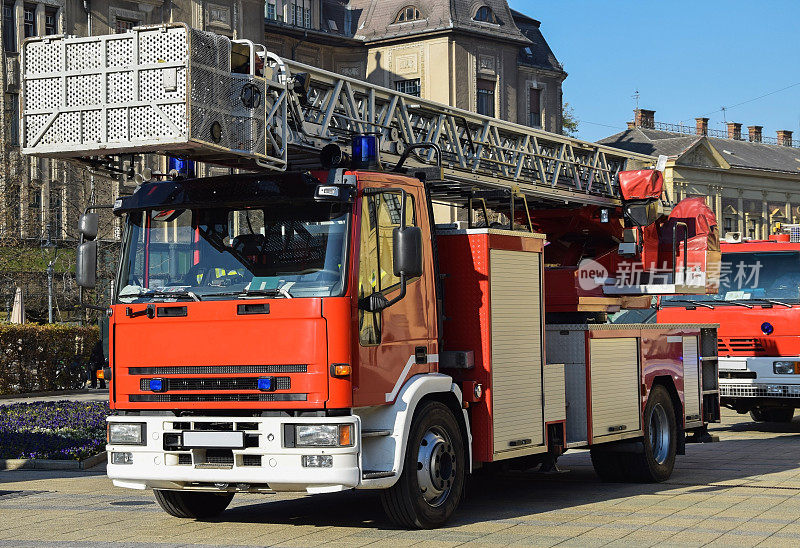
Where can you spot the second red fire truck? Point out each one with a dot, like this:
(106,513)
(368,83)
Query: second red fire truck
(758,309)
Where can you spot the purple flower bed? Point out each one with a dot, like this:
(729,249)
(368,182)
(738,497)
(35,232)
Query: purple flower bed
(53,430)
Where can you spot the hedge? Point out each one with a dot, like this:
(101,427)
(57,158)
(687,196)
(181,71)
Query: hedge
(36,358)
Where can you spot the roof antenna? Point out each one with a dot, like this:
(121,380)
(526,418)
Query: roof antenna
(636,96)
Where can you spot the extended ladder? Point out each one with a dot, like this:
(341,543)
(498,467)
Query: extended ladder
(175,90)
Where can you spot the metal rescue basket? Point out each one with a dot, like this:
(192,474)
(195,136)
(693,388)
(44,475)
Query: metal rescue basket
(169,89)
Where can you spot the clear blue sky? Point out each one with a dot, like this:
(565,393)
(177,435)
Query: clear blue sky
(686,58)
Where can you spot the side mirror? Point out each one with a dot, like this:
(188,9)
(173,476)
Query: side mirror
(87,225)
(407,251)
(86,265)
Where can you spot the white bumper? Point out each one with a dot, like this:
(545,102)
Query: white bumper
(267,465)
(765,384)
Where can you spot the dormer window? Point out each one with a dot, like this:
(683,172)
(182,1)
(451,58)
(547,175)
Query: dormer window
(486,15)
(408,13)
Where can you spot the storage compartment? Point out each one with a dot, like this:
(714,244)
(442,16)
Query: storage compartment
(493,307)
(691,379)
(614,385)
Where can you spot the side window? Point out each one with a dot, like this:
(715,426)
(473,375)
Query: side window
(369,323)
(380,215)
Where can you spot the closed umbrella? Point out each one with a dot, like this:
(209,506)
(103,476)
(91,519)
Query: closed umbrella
(18,310)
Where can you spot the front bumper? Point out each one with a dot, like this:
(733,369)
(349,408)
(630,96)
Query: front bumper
(765,382)
(265,465)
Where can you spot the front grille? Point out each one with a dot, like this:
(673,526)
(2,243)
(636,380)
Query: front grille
(251,460)
(183,398)
(750,391)
(219,456)
(185,458)
(732,346)
(217,369)
(241,383)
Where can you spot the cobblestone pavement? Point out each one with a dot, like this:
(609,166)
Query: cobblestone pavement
(744,490)
(89,394)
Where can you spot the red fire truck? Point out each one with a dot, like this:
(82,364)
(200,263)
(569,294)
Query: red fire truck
(758,309)
(309,327)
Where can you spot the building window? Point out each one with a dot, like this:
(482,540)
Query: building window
(410,87)
(13,114)
(9,28)
(300,15)
(535,108)
(56,214)
(728,225)
(123,25)
(486,97)
(271,12)
(751,228)
(486,15)
(408,13)
(29,18)
(50,23)
(35,208)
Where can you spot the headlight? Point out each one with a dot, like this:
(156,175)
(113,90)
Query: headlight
(785,367)
(125,433)
(321,435)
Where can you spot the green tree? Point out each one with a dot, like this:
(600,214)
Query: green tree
(569,122)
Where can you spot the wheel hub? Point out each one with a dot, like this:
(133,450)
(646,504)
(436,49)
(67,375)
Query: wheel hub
(436,466)
(659,434)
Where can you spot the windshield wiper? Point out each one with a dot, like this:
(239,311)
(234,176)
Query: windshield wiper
(772,301)
(695,303)
(247,293)
(142,292)
(737,303)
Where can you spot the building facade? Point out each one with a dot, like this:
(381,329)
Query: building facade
(476,55)
(751,181)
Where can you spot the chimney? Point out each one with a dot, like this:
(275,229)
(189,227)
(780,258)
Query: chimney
(701,125)
(735,131)
(785,137)
(631,125)
(755,133)
(644,118)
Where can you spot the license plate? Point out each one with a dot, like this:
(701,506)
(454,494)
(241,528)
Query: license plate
(229,440)
(734,365)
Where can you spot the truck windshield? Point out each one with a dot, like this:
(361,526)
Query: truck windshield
(769,276)
(284,249)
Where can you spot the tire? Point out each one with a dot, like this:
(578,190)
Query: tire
(609,465)
(659,446)
(432,482)
(192,504)
(772,414)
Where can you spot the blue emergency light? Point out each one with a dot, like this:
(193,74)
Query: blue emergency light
(266,384)
(766,328)
(366,153)
(156,385)
(183,168)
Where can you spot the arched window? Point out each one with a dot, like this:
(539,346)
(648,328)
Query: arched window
(486,15)
(408,13)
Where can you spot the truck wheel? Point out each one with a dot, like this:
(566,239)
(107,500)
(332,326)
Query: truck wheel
(192,504)
(609,465)
(660,441)
(772,414)
(432,483)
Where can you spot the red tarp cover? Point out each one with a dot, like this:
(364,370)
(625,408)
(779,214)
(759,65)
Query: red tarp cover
(641,184)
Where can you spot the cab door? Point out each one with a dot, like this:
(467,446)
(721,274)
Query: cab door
(399,341)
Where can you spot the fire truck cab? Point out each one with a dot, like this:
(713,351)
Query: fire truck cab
(758,310)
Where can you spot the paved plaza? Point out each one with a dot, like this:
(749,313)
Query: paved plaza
(742,491)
